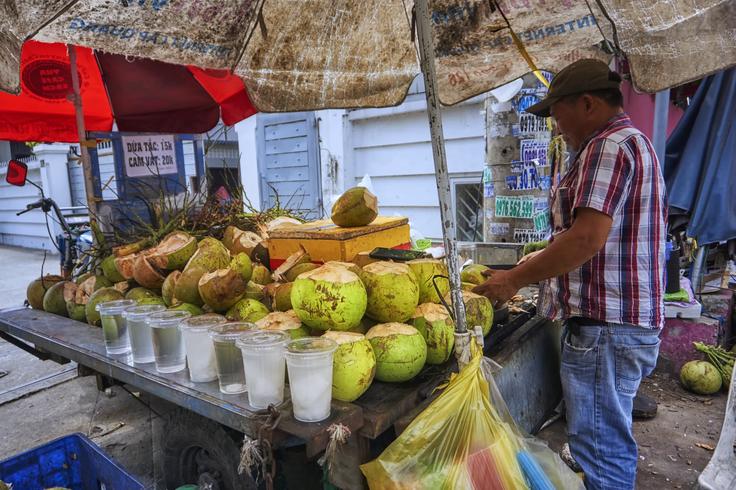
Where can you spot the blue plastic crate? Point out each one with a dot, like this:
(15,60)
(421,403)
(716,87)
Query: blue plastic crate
(72,462)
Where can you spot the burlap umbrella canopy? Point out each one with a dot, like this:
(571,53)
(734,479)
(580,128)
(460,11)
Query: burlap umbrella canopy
(315,54)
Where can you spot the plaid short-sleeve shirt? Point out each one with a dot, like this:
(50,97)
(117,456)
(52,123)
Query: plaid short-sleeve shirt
(616,173)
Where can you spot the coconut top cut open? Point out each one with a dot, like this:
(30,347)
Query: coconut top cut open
(467,295)
(331,273)
(431,312)
(280,320)
(355,268)
(343,337)
(382,268)
(388,329)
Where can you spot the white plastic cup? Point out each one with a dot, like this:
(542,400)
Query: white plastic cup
(114,326)
(228,357)
(141,340)
(168,347)
(198,346)
(309,361)
(263,362)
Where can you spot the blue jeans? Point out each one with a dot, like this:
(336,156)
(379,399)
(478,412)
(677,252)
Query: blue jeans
(601,372)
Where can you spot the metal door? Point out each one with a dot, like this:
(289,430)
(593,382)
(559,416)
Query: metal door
(288,162)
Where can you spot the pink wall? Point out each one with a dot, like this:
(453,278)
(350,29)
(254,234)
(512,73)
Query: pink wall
(640,108)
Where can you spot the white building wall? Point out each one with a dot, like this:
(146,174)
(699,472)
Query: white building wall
(393,147)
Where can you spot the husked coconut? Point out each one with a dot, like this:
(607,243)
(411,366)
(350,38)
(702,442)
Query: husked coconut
(167,290)
(146,273)
(239,241)
(393,293)
(221,289)
(356,207)
(329,297)
(353,365)
(426,272)
(400,351)
(284,321)
(436,326)
(354,268)
(211,255)
(125,265)
(174,251)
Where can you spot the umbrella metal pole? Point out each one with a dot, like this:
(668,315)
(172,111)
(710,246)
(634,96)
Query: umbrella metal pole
(426,59)
(89,186)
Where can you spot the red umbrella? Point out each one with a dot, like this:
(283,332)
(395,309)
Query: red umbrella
(138,94)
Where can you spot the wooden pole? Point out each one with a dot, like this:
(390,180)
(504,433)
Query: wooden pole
(426,59)
(89,179)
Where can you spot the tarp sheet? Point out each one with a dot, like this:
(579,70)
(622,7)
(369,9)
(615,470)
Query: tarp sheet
(700,162)
(313,54)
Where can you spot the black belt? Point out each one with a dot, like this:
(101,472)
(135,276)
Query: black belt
(576,322)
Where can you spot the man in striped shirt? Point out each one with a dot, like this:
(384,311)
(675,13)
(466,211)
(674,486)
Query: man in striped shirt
(603,271)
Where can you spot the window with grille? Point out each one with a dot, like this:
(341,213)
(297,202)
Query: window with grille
(467,199)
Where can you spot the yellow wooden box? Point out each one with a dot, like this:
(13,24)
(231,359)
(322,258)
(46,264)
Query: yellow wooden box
(325,241)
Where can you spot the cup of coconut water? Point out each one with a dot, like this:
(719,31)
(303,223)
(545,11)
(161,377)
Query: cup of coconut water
(263,361)
(309,361)
(141,340)
(199,347)
(228,357)
(114,326)
(168,346)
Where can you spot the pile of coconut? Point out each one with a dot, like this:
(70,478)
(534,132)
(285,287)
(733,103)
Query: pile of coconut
(387,318)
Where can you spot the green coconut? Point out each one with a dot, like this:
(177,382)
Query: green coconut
(186,289)
(79,280)
(211,255)
(278,296)
(468,286)
(247,310)
(193,309)
(400,350)
(436,326)
(53,300)
(356,207)
(100,296)
(261,275)
(174,251)
(139,293)
(329,297)
(37,289)
(242,265)
(124,265)
(221,289)
(284,321)
(93,283)
(425,271)
(298,269)
(393,293)
(353,365)
(478,310)
(110,271)
(152,300)
(254,291)
(354,268)
(474,274)
(167,290)
(76,301)
(700,377)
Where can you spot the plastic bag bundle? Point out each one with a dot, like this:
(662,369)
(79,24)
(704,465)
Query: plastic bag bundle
(466,439)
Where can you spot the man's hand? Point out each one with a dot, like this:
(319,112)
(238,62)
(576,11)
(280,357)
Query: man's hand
(499,288)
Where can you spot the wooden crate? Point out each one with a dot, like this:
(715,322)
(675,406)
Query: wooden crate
(325,241)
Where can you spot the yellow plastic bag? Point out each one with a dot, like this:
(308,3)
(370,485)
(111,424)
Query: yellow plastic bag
(461,441)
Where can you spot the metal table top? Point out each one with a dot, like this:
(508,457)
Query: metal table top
(84,344)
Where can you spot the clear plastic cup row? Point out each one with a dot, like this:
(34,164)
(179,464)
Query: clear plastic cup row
(215,349)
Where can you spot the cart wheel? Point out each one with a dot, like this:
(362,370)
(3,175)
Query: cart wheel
(200,451)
